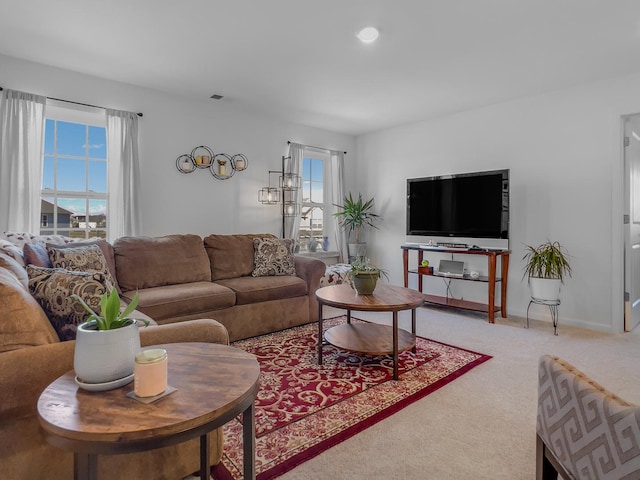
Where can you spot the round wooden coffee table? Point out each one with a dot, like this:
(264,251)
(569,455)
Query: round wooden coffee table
(370,338)
(215,383)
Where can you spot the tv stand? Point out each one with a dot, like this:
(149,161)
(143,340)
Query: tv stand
(491,279)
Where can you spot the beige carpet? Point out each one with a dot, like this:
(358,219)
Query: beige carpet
(482,426)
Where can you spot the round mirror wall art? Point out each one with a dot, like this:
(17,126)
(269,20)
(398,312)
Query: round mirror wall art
(221,165)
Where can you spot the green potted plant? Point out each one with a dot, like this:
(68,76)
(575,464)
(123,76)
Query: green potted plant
(353,215)
(363,276)
(106,344)
(546,266)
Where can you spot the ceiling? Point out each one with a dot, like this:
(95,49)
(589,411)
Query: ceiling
(300,60)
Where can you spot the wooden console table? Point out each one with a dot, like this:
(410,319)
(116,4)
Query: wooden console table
(491,279)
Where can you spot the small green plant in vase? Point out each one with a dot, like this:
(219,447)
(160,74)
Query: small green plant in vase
(110,316)
(106,344)
(364,276)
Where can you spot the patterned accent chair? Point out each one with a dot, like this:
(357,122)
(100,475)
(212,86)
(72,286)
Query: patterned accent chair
(583,431)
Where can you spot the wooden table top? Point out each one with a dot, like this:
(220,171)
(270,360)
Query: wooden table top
(385,298)
(214,384)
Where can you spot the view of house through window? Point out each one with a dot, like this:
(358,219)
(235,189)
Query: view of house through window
(74,175)
(315,223)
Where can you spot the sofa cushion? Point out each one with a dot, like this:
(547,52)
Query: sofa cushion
(36,254)
(53,287)
(105,247)
(231,256)
(262,289)
(81,258)
(146,262)
(272,257)
(22,321)
(176,300)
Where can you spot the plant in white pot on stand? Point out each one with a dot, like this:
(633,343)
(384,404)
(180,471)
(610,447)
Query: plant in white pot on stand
(106,344)
(354,215)
(546,267)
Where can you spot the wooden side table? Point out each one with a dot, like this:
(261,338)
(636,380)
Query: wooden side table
(215,383)
(370,338)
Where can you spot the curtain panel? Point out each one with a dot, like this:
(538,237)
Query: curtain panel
(337,198)
(292,224)
(21,134)
(123,205)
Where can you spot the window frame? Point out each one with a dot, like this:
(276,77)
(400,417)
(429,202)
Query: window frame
(87,117)
(328,225)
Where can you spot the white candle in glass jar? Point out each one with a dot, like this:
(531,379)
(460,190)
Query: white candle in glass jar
(150,372)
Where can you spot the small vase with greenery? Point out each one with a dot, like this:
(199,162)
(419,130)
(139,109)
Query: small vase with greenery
(353,215)
(546,266)
(107,343)
(364,276)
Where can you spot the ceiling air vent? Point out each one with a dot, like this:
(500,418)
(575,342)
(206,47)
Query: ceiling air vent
(216,96)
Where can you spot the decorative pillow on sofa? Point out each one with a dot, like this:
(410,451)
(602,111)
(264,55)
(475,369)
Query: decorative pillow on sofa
(273,256)
(20,239)
(36,254)
(107,251)
(85,258)
(53,287)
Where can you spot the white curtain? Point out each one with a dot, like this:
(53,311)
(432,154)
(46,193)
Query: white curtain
(123,205)
(294,166)
(337,198)
(21,132)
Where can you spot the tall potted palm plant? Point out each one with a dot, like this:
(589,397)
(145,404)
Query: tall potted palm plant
(354,215)
(546,267)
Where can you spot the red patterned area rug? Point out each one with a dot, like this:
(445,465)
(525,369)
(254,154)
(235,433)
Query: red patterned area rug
(303,409)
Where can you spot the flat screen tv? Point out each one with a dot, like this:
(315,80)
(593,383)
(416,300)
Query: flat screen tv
(473,205)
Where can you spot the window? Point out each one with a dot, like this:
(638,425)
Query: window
(316,222)
(74,175)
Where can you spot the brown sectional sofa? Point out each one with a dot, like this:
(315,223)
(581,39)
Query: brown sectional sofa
(32,356)
(180,279)
(183,277)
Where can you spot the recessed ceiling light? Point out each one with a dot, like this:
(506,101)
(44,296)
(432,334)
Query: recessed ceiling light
(368,34)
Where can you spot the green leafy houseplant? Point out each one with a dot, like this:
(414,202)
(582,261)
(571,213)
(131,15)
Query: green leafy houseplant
(364,276)
(110,316)
(549,260)
(355,214)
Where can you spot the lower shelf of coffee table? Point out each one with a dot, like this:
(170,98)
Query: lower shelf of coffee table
(368,338)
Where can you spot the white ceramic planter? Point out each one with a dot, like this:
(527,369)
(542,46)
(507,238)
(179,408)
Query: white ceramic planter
(547,289)
(103,356)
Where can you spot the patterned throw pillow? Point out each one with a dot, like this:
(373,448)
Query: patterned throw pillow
(19,239)
(273,256)
(53,287)
(86,258)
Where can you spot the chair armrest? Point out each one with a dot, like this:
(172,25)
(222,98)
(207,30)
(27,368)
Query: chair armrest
(203,330)
(25,373)
(311,271)
(584,426)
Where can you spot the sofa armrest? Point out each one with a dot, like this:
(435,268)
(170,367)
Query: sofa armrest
(203,330)
(25,373)
(311,271)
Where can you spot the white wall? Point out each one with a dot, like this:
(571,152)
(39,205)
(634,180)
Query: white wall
(565,159)
(173,202)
